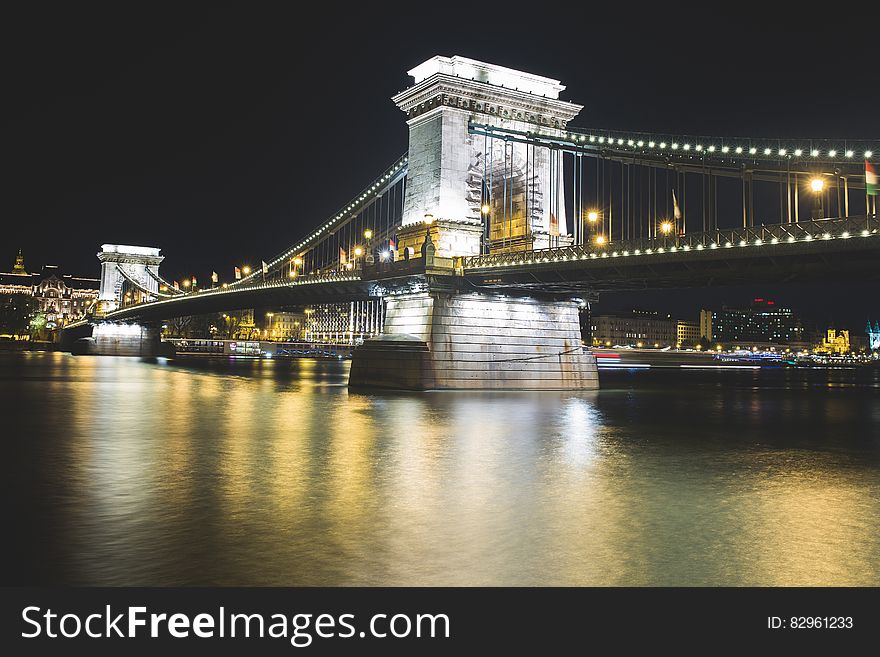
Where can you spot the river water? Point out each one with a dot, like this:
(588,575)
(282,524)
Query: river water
(242,472)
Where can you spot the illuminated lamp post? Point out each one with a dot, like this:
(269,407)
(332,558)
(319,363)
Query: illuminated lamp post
(665,228)
(485,209)
(368,236)
(592,220)
(817,185)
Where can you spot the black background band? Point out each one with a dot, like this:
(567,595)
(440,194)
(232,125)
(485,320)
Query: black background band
(540,620)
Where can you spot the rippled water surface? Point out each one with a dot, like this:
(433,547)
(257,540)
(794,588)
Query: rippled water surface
(123,472)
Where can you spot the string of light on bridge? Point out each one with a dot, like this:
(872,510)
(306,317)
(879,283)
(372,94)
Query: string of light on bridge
(538,257)
(356,205)
(775,149)
(334,278)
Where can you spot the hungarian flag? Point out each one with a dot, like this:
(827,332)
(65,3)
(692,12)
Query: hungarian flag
(194,281)
(554,224)
(342,257)
(214,277)
(676,211)
(265,267)
(392,245)
(176,285)
(870,179)
(237,274)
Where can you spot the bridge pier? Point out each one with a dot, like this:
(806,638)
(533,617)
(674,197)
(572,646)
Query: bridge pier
(447,341)
(115,339)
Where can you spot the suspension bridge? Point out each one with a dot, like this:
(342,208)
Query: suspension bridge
(468,258)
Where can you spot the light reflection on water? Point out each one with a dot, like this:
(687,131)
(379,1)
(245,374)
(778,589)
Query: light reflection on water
(272,473)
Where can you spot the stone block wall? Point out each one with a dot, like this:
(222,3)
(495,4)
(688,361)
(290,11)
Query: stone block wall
(474,341)
(125,340)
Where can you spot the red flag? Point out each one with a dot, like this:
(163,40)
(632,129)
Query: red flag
(342,257)
(237,274)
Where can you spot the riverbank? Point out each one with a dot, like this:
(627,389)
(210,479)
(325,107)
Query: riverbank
(655,358)
(27,345)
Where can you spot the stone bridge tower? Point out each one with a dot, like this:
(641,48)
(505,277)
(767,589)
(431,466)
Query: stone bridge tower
(452,173)
(138,265)
(448,336)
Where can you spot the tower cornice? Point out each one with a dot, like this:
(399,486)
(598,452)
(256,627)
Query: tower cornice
(484,98)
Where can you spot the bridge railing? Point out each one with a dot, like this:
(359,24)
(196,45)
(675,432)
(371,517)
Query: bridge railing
(804,231)
(305,279)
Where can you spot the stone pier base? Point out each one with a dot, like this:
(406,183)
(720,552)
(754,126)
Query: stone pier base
(441,341)
(110,339)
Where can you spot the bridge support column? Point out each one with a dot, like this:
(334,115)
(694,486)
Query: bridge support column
(447,341)
(112,339)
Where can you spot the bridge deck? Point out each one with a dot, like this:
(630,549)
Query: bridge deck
(782,253)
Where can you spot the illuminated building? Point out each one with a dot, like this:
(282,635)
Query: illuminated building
(873,336)
(62,298)
(687,333)
(285,325)
(634,328)
(836,342)
(343,322)
(762,323)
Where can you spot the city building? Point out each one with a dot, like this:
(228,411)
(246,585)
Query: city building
(243,325)
(873,333)
(60,298)
(285,325)
(687,333)
(835,342)
(343,322)
(763,323)
(638,328)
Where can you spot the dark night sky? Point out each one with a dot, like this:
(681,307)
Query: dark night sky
(221,136)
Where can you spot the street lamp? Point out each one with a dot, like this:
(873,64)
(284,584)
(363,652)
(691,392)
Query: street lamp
(592,218)
(600,240)
(297,264)
(818,186)
(368,236)
(485,208)
(246,270)
(665,228)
